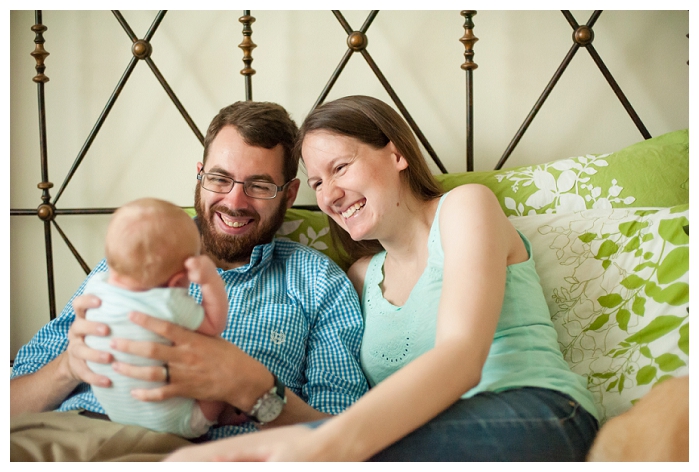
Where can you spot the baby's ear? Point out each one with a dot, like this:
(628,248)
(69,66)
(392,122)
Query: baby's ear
(179,280)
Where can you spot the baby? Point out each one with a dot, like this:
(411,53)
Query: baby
(152,250)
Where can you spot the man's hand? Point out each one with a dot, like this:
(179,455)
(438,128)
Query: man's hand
(78,353)
(200,366)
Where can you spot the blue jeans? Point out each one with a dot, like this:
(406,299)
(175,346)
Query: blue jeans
(524,424)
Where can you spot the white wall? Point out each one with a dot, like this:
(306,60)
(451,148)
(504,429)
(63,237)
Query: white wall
(146,149)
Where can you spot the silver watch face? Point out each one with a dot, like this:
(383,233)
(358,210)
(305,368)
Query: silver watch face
(270,408)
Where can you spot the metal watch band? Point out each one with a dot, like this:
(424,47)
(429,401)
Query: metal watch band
(275,399)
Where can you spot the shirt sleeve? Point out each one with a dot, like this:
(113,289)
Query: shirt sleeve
(52,339)
(335,378)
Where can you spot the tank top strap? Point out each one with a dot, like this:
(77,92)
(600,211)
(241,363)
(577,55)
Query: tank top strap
(434,240)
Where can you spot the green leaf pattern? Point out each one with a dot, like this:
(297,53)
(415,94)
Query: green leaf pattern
(563,186)
(617,286)
(311,229)
(309,237)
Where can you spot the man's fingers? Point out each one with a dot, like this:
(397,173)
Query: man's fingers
(148,349)
(83,303)
(87,354)
(95,379)
(152,373)
(154,394)
(165,329)
(82,327)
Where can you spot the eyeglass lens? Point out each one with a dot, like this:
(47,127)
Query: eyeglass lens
(252,188)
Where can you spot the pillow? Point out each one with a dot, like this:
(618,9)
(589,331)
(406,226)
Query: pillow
(617,285)
(310,228)
(652,173)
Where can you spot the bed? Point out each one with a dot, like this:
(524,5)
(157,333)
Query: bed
(610,230)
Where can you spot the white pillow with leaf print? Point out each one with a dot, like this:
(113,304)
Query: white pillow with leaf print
(617,285)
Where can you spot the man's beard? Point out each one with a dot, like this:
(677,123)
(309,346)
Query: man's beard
(229,248)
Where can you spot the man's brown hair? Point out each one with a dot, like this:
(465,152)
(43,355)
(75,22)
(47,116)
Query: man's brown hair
(261,124)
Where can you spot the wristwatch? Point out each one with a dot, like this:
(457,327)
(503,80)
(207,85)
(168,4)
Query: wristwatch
(269,406)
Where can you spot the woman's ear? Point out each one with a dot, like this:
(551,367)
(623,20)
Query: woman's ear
(397,157)
(291,192)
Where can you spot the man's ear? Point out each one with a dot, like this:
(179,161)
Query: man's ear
(292,190)
(200,166)
(400,162)
(179,280)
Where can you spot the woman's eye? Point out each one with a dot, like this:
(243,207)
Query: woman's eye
(341,168)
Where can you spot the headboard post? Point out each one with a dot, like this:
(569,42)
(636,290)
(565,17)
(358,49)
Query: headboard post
(46,211)
(247,46)
(468,40)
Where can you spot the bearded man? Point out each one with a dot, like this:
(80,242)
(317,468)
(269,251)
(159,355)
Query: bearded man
(290,351)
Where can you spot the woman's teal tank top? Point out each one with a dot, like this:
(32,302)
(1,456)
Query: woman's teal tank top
(524,352)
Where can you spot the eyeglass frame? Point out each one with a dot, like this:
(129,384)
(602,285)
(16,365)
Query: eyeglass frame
(277,188)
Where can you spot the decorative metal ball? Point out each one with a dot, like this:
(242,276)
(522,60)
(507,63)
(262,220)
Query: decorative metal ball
(357,41)
(583,35)
(45,212)
(141,49)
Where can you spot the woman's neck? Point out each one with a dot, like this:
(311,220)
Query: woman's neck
(407,237)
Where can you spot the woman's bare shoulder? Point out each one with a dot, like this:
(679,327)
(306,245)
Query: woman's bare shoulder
(472,212)
(468,199)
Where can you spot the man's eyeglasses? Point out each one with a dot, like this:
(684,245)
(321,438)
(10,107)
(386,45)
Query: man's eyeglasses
(253,188)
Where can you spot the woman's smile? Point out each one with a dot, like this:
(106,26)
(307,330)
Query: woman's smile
(353,209)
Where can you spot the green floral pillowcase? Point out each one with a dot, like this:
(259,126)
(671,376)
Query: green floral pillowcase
(617,286)
(651,173)
(310,228)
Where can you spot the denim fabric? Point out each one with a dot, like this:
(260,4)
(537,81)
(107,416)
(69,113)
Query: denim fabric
(518,425)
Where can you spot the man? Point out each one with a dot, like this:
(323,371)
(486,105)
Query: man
(289,353)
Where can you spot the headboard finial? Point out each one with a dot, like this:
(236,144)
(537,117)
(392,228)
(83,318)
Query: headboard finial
(247,46)
(468,40)
(39,53)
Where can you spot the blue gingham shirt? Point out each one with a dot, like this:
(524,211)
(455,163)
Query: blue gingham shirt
(291,308)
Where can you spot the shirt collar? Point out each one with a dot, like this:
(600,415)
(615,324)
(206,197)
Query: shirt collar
(261,257)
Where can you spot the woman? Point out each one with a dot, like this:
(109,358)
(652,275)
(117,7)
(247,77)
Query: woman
(458,347)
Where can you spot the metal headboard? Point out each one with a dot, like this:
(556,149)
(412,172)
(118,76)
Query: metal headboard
(48,211)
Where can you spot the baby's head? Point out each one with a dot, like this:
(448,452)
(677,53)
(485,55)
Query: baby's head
(148,241)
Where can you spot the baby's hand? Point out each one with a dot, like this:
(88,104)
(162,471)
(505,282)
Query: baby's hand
(200,269)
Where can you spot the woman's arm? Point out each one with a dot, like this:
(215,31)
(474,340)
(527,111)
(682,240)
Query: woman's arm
(478,242)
